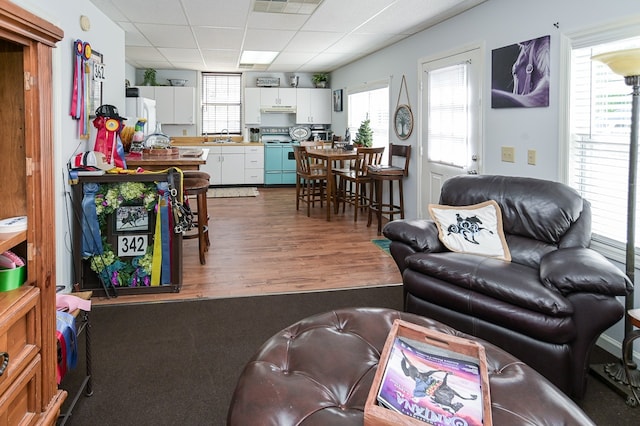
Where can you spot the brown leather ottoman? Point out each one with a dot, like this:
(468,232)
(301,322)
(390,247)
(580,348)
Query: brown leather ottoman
(319,371)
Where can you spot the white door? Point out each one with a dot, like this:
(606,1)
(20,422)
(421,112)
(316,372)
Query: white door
(451,131)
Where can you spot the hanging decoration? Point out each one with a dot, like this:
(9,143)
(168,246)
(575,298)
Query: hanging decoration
(403,117)
(125,272)
(80,88)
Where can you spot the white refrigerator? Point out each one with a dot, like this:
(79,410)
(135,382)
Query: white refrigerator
(136,108)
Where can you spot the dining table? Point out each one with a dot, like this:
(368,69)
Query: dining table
(184,159)
(331,156)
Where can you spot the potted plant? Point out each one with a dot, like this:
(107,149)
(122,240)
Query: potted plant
(150,77)
(320,79)
(364,137)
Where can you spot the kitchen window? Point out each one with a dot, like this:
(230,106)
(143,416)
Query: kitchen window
(370,101)
(599,133)
(221,103)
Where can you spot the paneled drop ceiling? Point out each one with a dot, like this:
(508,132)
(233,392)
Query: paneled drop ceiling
(309,35)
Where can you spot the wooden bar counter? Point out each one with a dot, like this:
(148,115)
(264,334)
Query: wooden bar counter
(185,159)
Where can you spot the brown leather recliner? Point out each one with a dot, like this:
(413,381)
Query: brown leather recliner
(547,306)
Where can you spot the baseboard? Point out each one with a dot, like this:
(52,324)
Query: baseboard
(614,347)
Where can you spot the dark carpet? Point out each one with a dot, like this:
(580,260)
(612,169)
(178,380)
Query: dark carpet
(177,363)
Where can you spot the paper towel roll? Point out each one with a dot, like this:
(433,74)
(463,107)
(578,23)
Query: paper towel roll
(245,135)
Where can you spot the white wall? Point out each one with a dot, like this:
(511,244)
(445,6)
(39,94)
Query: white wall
(494,24)
(107,38)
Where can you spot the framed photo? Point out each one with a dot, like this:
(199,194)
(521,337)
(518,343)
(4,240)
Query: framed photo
(96,77)
(131,219)
(337,100)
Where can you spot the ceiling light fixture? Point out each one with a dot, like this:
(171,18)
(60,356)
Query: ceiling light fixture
(257,57)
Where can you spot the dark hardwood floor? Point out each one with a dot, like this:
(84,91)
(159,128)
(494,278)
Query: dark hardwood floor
(262,245)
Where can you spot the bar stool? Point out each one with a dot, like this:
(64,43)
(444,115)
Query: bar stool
(199,187)
(388,173)
(197,174)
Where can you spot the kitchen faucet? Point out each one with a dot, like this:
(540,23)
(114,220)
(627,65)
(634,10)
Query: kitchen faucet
(228,139)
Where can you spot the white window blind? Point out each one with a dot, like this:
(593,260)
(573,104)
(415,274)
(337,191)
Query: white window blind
(372,103)
(221,103)
(600,125)
(448,115)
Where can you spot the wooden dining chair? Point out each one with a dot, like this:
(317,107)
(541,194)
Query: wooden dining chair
(354,181)
(311,182)
(314,162)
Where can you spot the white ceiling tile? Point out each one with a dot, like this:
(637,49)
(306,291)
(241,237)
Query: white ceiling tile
(181,55)
(217,13)
(267,39)
(218,38)
(344,16)
(315,41)
(145,54)
(152,11)
(214,32)
(168,35)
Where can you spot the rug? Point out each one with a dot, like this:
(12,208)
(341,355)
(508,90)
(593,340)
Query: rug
(177,363)
(383,244)
(232,192)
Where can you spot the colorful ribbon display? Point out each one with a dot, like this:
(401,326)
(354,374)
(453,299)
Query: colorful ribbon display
(108,140)
(80,91)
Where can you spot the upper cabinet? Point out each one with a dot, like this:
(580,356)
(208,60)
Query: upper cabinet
(313,106)
(174,104)
(252,105)
(278,97)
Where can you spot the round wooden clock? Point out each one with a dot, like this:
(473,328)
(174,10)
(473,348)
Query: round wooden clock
(403,121)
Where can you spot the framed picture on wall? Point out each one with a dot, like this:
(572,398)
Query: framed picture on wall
(337,100)
(96,77)
(520,74)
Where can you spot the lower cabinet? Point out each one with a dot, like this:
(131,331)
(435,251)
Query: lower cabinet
(234,164)
(20,397)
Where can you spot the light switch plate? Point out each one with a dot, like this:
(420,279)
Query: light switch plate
(531,157)
(508,154)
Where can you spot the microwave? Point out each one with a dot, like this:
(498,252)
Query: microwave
(321,135)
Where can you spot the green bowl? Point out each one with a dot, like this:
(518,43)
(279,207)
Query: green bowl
(10,279)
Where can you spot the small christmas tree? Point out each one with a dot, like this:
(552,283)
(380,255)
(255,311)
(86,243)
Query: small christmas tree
(364,137)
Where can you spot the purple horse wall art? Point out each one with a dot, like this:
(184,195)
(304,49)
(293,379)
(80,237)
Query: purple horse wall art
(520,74)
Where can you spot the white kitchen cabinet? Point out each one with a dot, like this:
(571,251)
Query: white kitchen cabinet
(313,106)
(184,105)
(164,105)
(278,96)
(226,164)
(252,105)
(254,164)
(147,92)
(174,105)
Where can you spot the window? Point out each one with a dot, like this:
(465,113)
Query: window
(449,115)
(221,103)
(600,125)
(372,102)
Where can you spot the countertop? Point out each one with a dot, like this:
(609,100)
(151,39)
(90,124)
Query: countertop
(209,141)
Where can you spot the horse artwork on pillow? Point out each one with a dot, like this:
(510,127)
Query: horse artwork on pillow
(520,74)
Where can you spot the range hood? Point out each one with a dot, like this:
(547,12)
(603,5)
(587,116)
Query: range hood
(278,109)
